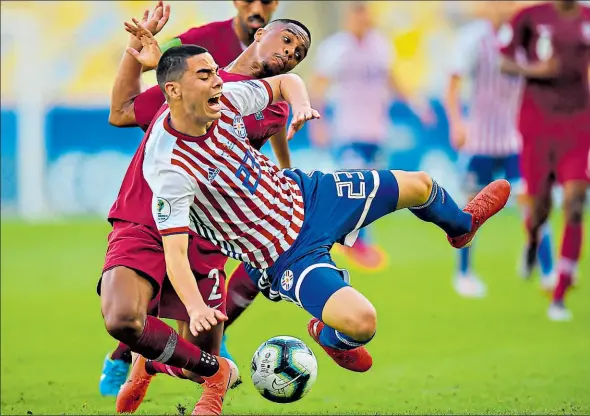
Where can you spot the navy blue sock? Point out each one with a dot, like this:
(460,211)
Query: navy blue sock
(440,209)
(329,337)
(464,260)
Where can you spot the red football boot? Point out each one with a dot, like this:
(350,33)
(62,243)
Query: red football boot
(214,389)
(485,205)
(357,359)
(134,389)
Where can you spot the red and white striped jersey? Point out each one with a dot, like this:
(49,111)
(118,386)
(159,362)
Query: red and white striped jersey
(222,188)
(495,97)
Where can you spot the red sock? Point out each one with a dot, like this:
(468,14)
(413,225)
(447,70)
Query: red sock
(154,367)
(122,352)
(159,342)
(571,248)
(241,291)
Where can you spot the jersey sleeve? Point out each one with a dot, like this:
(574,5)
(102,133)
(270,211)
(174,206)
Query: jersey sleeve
(147,104)
(464,57)
(247,97)
(174,192)
(512,35)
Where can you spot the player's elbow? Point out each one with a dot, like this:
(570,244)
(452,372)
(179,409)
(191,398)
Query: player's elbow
(116,119)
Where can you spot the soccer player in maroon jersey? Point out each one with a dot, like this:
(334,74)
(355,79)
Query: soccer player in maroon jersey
(554,122)
(129,108)
(237,33)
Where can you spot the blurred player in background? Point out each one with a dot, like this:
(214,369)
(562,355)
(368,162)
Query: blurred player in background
(355,66)
(271,53)
(225,41)
(489,138)
(554,123)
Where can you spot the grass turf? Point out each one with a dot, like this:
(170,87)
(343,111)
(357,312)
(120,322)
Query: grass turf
(434,353)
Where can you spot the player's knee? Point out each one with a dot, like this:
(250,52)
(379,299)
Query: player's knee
(124,325)
(422,184)
(574,208)
(363,324)
(414,188)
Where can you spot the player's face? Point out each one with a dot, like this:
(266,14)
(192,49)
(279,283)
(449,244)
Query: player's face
(200,88)
(254,14)
(280,48)
(358,18)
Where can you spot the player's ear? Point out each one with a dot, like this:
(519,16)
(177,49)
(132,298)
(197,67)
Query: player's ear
(259,34)
(172,90)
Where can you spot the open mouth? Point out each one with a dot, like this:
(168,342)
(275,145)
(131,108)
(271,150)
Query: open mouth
(213,102)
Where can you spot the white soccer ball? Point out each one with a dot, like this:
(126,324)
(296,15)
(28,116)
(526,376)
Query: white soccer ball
(284,369)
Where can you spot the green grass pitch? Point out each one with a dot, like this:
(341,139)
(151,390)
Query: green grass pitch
(434,353)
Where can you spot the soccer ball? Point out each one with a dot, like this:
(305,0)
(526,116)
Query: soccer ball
(284,369)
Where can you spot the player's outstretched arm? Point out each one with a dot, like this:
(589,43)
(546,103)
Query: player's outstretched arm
(292,89)
(127,85)
(202,317)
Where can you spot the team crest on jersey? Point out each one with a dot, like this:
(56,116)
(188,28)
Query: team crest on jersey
(163,209)
(287,280)
(239,126)
(212,174)
(259,116)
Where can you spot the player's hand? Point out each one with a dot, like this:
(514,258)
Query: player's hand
(300,117)
(458,134)
(149,55)
(203,318)
(153,22)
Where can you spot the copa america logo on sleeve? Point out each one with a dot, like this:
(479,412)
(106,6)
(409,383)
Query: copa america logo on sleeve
(239,126)
(163,209)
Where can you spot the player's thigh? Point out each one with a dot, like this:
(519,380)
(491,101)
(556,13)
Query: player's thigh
(125,296)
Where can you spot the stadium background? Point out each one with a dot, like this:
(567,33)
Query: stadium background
(61,169)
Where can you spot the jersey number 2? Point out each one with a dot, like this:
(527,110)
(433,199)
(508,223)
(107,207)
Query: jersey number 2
(214,274)
(247,162)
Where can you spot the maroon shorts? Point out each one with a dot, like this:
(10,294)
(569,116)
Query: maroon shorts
(139,248)
(555,147)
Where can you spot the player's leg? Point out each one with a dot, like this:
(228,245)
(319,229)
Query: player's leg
(114,370)
(430,202)
(344,320)
(571,245)
(125,296)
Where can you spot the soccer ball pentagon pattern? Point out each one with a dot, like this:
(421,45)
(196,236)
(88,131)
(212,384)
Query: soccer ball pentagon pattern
(284,369)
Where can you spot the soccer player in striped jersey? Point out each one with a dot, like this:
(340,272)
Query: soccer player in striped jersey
(135,245)
(237,33)
(207,178)
(488,139)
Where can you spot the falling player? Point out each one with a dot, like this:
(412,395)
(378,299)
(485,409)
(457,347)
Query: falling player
(282,223)
(237,33)
(554,123)
(489,139)
(260,58)
(358,133)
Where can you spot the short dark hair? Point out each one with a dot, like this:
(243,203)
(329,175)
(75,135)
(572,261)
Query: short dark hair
(173,63)
(293,22)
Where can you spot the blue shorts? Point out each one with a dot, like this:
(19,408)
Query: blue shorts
(482,170)
(337,206)
(361,155)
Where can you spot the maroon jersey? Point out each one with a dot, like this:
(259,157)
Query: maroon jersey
(219,38)
(542,32)
(134,202)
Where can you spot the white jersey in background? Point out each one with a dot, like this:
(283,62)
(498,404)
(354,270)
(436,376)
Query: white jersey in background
(220,187)
(359,73)
(495,99)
